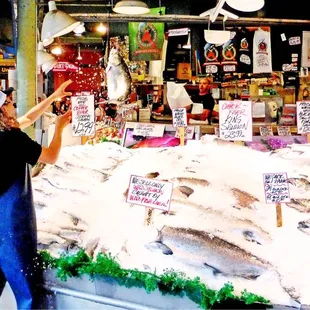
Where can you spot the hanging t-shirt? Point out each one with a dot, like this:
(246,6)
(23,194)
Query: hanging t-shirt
(262,62)
(287,43)
(229,54)
(212,58)
(245,49)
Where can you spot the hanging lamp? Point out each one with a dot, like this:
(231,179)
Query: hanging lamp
(131,7)
(246,5)
(56,23)
(42,56)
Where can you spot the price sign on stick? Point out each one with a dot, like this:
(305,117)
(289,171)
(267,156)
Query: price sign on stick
(266,131)
(303,118)
(276,191)
(284,131)
(151,193)
(83,115)
(235,120)
(180,121)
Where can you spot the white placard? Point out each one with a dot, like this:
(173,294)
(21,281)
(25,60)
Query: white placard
(235,120)
(148,130)
(150,193)
(179,117)
(303,116)
(189,133)
(284,131)
(266,131)
(83,115)
(276,188)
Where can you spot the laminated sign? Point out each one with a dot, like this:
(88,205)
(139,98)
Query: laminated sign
(179,117)
(276,188)
(150,193)
(83,115)
(303,116)
(235,120)
(149,130)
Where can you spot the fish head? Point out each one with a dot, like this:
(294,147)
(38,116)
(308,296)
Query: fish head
(115,57)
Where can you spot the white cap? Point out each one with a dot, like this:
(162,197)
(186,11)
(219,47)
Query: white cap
(2,98)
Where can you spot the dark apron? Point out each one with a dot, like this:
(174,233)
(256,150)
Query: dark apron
(18,241)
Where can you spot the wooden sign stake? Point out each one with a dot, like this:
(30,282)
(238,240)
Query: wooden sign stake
(182,135)
(149,215)
(308,138)
(279,214)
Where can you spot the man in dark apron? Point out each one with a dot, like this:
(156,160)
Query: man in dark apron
(18,231)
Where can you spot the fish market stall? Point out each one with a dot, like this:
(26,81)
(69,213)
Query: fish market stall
(218,227)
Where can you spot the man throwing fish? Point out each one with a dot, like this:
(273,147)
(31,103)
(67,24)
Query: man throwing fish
(18,232)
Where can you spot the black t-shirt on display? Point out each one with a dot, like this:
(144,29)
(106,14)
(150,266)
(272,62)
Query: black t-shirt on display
(16,150)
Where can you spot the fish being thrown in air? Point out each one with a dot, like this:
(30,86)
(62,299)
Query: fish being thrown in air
(118,77)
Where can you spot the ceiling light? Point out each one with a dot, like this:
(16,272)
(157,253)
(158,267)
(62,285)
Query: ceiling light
(42,56)
(48,66)
(218,37)
(79,57)
(79,29)
(131,7)
(246,5)
(56,50)
(101,28)
(56,23)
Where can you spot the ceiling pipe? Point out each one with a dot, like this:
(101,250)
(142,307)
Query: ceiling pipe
(187,19)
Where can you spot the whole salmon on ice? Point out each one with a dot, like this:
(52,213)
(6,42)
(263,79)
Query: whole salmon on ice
(118,77)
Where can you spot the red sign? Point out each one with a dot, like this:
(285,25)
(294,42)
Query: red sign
(64,66)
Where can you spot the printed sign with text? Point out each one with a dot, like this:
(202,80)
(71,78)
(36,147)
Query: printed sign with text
(266,131)
(150,193)
(276,188)
(148,130)
(303,116)
(236,120)
(83,115)
(179,117)
(284,131)
(189,133)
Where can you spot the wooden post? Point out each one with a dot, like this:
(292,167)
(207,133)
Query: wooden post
(279,214)
(182,135)
(308,138)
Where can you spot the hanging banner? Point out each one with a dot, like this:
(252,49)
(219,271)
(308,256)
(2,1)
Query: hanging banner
(146,39)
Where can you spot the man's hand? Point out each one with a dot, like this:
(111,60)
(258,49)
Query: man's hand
(60,91)
(63,120)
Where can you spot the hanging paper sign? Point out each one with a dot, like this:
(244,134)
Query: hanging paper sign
(303,116)
(146,39)
(276,188)
(284,131)
(189,133)
(83,115)
(64,66)
(266,131)
(148,130)
(178,32)
(235,120)
(179,117)
(294,41)
(149,193)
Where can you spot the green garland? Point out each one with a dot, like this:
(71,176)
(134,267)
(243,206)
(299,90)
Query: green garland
(171,282)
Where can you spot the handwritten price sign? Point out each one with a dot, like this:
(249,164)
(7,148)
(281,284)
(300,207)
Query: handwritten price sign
(148,130)
(303,116)
(83,115)
(179,117)
(235,120)
(276,188)
(149,193)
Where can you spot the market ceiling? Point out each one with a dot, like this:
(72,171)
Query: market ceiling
(272,9)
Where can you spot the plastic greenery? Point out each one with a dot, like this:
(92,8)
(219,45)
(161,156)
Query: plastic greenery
(170,282)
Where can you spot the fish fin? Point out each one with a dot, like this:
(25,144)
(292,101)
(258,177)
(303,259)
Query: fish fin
(214,270)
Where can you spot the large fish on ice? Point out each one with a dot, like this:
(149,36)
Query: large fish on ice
(118,77)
